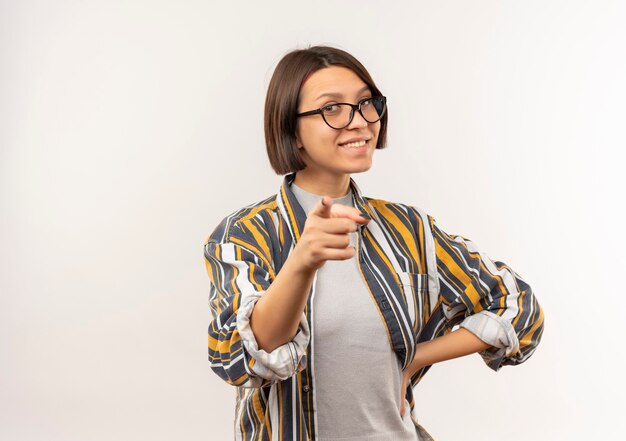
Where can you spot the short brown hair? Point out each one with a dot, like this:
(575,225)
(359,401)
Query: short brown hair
(281,102)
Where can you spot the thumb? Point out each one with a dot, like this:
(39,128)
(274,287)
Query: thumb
(322,208)
(403,395)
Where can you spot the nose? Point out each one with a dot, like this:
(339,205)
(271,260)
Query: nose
(357,121)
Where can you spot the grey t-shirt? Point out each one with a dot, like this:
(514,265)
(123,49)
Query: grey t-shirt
(357,374)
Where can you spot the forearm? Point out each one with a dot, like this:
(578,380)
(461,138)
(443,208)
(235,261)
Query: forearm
(452,345)
(276,315)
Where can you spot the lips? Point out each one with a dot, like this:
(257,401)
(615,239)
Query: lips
(354,142)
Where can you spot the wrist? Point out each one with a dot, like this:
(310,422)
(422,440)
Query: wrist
(297,263)
(415,365)
(419,359)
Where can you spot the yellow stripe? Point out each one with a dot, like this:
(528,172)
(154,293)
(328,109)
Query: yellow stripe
(268,423)
(422,240)
(407,239)
(474,297)
(223,346)
(256,403)
(452,266)
(255,250)
(258,239)
(382,255)
(527,337)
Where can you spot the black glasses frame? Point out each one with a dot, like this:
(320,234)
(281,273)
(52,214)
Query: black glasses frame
(354,107)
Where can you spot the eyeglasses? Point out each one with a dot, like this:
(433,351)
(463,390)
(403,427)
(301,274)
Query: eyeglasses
(340,115)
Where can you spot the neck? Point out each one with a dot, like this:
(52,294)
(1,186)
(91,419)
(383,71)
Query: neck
(328,185)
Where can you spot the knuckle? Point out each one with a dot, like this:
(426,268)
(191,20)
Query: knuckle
(311,227)
(349,225)
(316,254)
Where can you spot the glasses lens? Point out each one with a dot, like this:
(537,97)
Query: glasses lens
(373,109)
(337,115)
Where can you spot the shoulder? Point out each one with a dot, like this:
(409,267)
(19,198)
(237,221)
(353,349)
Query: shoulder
(252,215)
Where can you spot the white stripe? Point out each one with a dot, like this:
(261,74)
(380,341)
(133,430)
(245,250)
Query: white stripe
(511,310)
(450,312)
(431,259)
(474,270)
(409,291)
(243,282)
(240,405)
(227,365)
(312,360)
(374,228)
(285,214)
(294,386)
(273,408)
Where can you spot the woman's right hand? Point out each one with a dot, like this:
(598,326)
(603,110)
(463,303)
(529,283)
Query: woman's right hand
(326,234)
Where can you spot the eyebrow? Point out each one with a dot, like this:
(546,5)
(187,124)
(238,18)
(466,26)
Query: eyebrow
(339,95)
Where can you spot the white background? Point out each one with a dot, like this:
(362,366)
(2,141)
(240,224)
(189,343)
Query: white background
(129,129)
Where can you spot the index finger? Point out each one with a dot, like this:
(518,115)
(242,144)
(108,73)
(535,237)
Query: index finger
(340,210)
(323,207)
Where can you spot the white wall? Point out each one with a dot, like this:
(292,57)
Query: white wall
(120,121)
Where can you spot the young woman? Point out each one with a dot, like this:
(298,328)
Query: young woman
(329,306)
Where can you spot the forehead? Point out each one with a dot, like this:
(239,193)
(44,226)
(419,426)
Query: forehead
(332,82)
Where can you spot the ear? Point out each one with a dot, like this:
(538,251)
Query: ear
(298,143)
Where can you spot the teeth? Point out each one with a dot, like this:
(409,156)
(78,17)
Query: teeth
(355,144)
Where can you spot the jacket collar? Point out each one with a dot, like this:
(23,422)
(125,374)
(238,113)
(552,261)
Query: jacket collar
(293,212)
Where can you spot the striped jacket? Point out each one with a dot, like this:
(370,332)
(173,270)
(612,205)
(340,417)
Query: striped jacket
(422,280)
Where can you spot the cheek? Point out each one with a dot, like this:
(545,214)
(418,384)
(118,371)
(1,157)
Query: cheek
(316,135)
(376,128)
(376,131)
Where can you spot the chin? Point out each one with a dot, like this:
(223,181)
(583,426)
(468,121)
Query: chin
(360,168)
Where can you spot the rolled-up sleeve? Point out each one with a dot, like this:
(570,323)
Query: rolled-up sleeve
(488,298)
(239,275)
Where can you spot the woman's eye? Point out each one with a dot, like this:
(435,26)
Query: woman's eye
(366,102)
(330,108)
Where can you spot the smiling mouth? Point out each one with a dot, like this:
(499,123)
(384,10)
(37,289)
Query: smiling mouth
(355,145)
